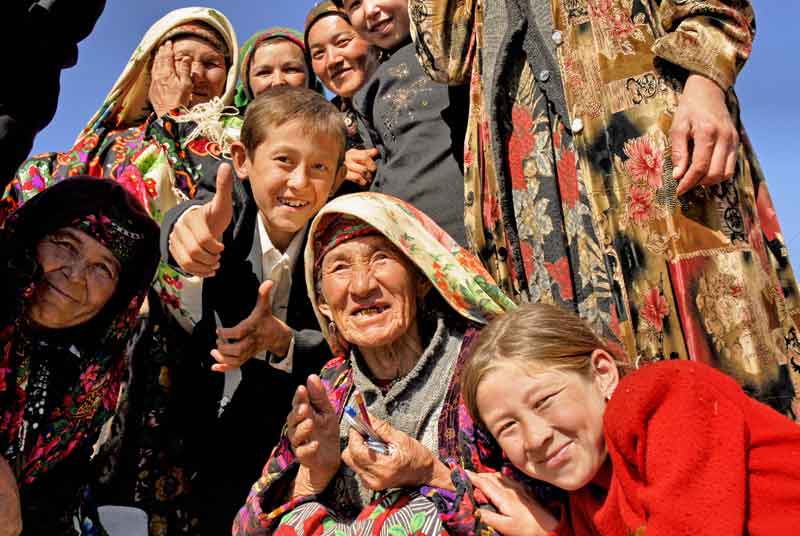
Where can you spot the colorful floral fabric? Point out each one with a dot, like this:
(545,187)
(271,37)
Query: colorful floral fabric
(579,208)
(470,291)
(58,387)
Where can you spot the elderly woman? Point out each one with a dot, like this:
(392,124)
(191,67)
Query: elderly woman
(674,448)
(75,263)
(158,133)
(399,301)
(344,61)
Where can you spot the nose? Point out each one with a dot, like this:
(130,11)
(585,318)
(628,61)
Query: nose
(298,177)
(537,436)
(362,282)
(196,71)
(371,10)
(277,79)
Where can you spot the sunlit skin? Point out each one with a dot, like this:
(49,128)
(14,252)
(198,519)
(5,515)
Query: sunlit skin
(550,425)
(342,59)
(370,291)
(384,23)
(291,173)
(208,71)
(277,62)
(79,277)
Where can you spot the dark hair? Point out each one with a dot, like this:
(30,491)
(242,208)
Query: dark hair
(279,105)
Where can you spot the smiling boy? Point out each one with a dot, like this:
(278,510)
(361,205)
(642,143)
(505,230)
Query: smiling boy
(247,243)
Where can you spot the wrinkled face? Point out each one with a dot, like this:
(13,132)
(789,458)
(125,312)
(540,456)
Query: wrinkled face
(369,290)
(291,173)
(384,23)
(80,275)
(208,70)
(277,62)
(340,57)
(550,425)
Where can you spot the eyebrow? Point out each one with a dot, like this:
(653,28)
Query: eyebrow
(73,235)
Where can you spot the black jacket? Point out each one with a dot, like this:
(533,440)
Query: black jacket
(232,449)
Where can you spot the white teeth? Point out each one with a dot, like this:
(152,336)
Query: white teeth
(293,204)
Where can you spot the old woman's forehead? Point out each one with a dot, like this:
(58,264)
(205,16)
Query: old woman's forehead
(362,245)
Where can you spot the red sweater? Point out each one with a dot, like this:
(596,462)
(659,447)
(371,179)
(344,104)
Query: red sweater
(690,453)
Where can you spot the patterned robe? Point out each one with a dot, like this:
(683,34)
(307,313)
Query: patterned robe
(569,194)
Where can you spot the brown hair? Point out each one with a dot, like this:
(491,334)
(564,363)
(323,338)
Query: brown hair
(279,105)
(536,336)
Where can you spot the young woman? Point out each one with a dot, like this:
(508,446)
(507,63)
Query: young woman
(674,448)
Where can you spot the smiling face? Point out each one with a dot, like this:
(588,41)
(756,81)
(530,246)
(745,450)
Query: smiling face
(551,424)
(384,23)
(341,59)
(291,173)
(369,290)
(79,277)
(277,62)
(208,71)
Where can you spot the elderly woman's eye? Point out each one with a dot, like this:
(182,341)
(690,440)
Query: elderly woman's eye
(542,402)
(105,270)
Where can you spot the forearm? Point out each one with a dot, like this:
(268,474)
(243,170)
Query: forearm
(712,38)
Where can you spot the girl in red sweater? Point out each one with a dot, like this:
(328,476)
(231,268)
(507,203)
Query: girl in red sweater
(674,448)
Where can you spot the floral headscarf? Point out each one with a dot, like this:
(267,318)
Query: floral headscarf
(455,273)
(244,94)
(105,210)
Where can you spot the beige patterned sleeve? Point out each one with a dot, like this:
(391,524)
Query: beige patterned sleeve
(443,32)
(708,37)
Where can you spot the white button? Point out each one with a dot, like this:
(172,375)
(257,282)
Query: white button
(557,37)
(577,125)
(544,75)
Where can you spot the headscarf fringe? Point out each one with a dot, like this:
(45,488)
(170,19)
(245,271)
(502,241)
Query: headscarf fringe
(210,124)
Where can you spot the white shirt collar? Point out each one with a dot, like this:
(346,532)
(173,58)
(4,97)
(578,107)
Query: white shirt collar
(292,252)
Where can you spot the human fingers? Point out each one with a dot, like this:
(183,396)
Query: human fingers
(730,163)
(263,308)
(234,349)
(183,72)
(716,167)
(679,136)
(362,180)
(239,332)
(219,211)
(318,396)
(163,62)
(501,523)
(181,247)
(225,362)
(703,142)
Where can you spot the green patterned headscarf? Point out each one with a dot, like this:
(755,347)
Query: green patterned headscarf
(456,273)
(244,94)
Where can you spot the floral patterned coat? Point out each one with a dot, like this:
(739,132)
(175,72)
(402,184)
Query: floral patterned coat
(569,195)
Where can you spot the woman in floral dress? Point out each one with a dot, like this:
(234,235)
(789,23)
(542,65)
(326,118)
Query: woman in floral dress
(607,171)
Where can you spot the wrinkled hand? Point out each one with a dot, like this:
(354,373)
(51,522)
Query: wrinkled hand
(196,238)
(361,167)
(170,81)
(409,464)
(704,137)
(10,511)
(259,332)
(313,431)
(518,513)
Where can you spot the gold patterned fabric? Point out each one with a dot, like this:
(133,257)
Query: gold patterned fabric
(579,208)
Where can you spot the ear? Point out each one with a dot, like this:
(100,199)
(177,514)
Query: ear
(605,372)
(324,308)
(241,162)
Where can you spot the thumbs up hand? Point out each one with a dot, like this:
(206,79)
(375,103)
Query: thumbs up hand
(257,333)
(196,238)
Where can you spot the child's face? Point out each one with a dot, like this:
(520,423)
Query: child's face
(277,62)
(291,174)
(384,23)
(550,425)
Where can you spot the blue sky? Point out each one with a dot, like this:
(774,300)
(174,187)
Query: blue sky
(765,87)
